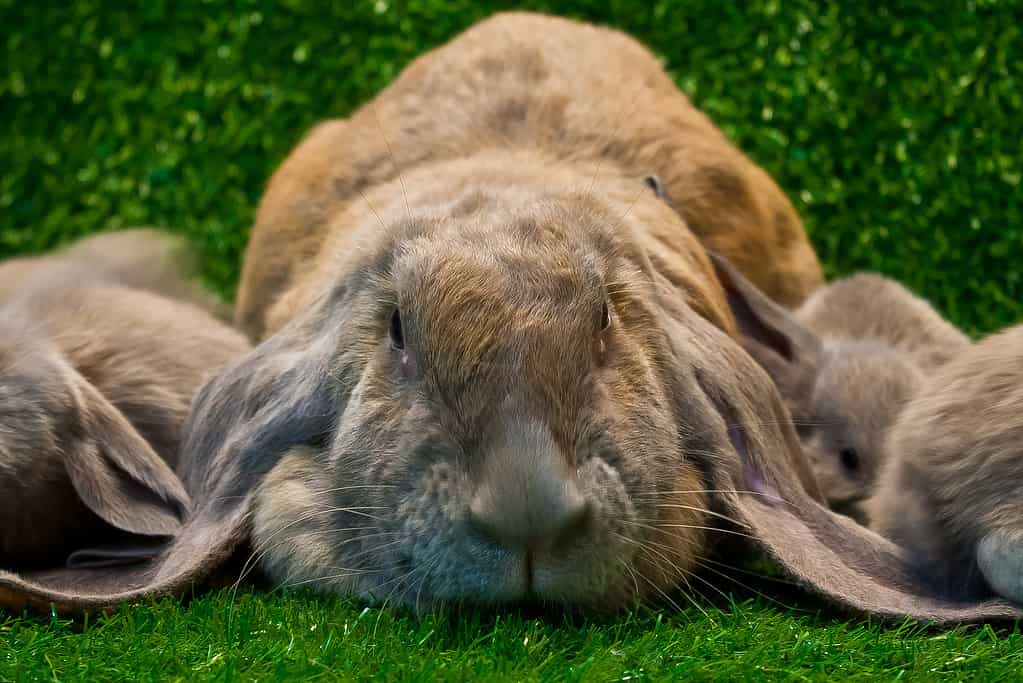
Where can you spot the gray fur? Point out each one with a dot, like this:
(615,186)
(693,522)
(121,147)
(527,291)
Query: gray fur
(97,372)
(846,362)
(952,492)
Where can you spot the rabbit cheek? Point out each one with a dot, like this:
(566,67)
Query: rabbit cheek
(671,548)
(293,529)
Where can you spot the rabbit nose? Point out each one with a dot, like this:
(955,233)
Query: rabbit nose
(525,518)
(527,499)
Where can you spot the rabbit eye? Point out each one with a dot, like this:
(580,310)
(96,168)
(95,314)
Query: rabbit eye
(605,317)
(396,333)
(850,459)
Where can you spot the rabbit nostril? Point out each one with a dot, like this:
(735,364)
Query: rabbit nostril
(850,459)
(574,525)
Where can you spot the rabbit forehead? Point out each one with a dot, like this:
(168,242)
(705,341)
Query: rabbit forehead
(864,384)
(560,245)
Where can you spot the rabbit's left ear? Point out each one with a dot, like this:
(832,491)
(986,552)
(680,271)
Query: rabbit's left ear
(116,473)
(763,483)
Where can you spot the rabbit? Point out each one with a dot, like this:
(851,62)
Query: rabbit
(98,367)
(509,373)
(950,493)
(845,361)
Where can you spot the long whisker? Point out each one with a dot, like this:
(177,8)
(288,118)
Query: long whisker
(346,572)
(749,588)
(769,496)
(254,558)
(763,577)
(394,160)
(703,510)
(373,209)
(707,528)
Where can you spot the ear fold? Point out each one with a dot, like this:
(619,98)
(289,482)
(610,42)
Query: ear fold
(783,346)
(116,473)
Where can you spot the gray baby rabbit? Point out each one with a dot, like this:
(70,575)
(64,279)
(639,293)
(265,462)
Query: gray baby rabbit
(845,362)
(98,366)
(952,492)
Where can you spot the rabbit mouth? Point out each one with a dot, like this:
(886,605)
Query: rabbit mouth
(424,550)
(443,557)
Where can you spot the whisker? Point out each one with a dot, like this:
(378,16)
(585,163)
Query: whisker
(652,494)
(708,528)
(703,510)
(763,577)
(373,209)
(749,588)
(256,556)
(346,572)
(394,161)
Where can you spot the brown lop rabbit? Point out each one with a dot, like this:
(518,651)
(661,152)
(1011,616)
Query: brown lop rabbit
(846,362)
(496,363)
(98,367)
(952,492)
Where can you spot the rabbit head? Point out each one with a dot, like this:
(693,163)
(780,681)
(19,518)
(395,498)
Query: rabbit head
(497,402)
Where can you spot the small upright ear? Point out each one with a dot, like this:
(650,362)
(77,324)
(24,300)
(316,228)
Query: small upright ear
(116,473)
(770,333)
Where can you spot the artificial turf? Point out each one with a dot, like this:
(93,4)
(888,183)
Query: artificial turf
(895,130)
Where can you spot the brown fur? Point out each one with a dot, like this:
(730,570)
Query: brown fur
(97,372)
(846,361)
(951,493)
(565,92)
(512,425)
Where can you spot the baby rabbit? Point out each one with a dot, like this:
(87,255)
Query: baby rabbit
(98,366)
(845,362)
(951,492)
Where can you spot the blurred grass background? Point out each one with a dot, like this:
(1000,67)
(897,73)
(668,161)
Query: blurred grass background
(896,130)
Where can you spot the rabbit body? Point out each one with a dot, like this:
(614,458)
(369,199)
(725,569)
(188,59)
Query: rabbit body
(97,372)
(494,362)
(951,492)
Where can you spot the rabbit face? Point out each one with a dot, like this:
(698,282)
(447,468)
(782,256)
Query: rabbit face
(859,390)
(486,409)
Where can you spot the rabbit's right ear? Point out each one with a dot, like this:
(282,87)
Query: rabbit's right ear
(783,346)
(115,471)
(283,394)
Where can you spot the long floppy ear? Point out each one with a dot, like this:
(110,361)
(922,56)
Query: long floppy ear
(286,393)
(783,346)
(761,474)
(116,473)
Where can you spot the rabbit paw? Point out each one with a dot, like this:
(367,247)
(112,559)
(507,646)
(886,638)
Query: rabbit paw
(1000,558)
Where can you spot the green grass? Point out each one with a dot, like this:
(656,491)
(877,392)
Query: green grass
(897,133)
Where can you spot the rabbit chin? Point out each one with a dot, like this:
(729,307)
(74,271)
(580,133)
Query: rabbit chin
(425,554)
